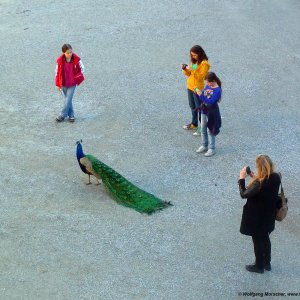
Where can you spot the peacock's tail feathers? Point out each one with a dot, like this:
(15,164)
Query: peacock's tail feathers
(125,192)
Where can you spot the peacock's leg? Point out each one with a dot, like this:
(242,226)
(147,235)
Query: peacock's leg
(89,180)
(97,181)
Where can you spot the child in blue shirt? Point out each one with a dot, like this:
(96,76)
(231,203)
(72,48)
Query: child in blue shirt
(210,114)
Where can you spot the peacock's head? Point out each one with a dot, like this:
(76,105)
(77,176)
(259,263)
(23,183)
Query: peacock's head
(79,150)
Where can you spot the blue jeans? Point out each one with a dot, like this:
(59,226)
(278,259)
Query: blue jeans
(193,102)
(208,139)
(68,106)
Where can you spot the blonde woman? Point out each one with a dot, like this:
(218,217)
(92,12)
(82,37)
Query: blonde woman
(258,219)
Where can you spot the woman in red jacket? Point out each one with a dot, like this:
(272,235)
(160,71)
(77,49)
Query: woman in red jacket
(69,74)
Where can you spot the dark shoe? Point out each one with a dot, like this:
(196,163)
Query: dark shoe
(59,119)
(268,267)
(71,119)
(254,268)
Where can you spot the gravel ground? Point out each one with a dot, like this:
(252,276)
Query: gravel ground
(61,239)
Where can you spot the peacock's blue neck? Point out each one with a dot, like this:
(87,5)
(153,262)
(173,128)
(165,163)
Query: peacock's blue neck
(79,152)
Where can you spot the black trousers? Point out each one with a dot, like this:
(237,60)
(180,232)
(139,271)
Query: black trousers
(262,249)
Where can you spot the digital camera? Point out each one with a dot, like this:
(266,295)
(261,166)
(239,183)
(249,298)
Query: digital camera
(248,170)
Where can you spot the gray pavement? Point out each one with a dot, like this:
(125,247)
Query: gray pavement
(61,239)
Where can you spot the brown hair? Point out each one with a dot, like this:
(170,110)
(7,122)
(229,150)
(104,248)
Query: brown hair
(66,47)
(264,167)
(201,54)
(212,77)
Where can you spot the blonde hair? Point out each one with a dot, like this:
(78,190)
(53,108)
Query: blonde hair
(264,168)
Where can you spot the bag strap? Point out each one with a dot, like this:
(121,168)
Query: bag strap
(281,187)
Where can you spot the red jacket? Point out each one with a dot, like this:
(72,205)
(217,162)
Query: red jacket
(60,70)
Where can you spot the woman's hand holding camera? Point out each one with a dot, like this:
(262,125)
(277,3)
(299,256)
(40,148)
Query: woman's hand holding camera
(246,171)
(185,67)
(243,173)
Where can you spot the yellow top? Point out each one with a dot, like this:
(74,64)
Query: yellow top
(196,77)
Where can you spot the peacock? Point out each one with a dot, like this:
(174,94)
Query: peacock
(122,190)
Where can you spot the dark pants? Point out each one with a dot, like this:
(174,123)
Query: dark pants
(262,250)
(194,102)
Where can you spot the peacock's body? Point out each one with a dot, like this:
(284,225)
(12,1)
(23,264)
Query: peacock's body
(125,192)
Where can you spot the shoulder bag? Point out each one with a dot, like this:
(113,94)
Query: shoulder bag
(281,212)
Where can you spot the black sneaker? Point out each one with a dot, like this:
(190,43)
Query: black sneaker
(72,119)
(268,267)
(254,268)
(59,119)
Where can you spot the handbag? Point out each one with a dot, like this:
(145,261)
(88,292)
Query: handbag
(281,212)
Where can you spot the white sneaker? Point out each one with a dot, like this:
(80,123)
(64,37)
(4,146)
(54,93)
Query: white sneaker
(210,152)
(201,149)
(196,133)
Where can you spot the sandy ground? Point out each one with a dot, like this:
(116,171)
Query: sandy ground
(61,239)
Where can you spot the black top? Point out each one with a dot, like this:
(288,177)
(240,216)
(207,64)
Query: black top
(260,209)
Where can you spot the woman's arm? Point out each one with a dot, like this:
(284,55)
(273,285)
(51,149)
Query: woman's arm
(251,191)
(201,72)
(187,72)
(81,66)
(215,97)
(56,78)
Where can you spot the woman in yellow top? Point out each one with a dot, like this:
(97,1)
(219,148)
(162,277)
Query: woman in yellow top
(196,73)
